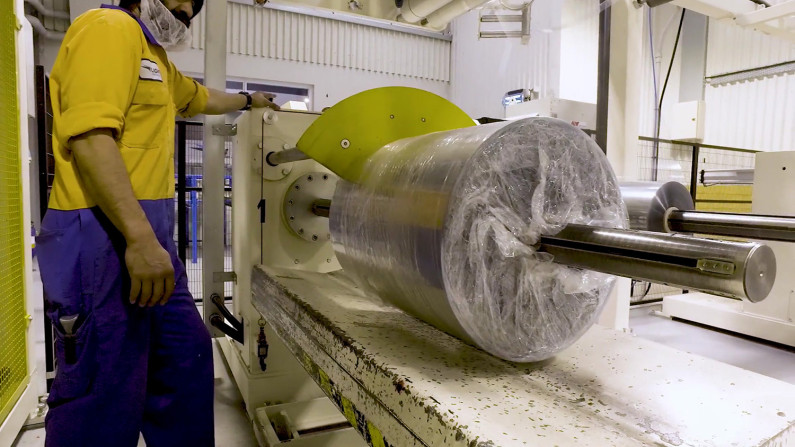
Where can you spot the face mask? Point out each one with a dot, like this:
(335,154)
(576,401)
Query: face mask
(172,34)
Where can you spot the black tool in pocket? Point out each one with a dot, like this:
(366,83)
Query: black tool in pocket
(69,325)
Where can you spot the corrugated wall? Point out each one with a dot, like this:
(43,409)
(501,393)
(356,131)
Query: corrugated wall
(757,113)
(289,36)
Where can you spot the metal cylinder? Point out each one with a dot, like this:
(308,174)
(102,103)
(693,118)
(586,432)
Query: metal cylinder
(668,208)
(445,226)
(752,226)
(733,269)
(285,156)
(727,177)
(647,203)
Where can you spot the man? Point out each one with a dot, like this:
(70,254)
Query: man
(132,351)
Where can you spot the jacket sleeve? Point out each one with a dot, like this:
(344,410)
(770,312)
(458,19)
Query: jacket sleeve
(97,73)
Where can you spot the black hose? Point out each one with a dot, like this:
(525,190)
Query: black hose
(656,156)
(762,2)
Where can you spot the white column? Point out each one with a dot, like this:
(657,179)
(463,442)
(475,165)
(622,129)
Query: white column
(213,160)
(626,40)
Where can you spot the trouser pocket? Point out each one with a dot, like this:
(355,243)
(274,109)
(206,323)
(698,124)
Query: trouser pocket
(75,356)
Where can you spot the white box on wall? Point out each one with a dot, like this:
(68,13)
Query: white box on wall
(688,121)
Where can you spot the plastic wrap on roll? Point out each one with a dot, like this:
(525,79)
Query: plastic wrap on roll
(647,203)
(445,226)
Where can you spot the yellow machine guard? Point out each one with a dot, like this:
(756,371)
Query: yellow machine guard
(345,135)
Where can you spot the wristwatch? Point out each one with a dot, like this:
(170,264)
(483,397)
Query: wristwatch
(248,101)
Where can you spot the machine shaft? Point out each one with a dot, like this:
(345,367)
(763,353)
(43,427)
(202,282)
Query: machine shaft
(321,207)
(285,156)
(668,208)
(743,270)
(752,226)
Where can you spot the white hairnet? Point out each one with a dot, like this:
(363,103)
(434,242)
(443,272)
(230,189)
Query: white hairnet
(172,34)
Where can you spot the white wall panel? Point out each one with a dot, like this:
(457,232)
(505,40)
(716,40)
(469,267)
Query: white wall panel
(757,115)
(330,84)
(485,69)
(732,48)
(289,36)
(665,20)
(579,50)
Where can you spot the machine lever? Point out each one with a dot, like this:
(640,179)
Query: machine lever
(217,321)
(221,306)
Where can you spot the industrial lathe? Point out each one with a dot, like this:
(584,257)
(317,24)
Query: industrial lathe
(406,277)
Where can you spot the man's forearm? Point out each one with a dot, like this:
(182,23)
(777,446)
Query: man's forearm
(221,102)
(106,180)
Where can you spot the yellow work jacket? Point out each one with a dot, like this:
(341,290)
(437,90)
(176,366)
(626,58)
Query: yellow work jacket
(111,73)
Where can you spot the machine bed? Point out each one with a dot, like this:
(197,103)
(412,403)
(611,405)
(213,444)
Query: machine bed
(401,382)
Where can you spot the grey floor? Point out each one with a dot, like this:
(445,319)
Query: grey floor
(232,427)
(770,360)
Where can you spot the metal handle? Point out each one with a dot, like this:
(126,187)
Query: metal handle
(744,270)
(285,156)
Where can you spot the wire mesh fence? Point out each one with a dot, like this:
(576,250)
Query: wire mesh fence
(13,321)
(191,150)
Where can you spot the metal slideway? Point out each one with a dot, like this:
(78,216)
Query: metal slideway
(13,322)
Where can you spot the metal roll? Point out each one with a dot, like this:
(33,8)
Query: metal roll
(647,203)
(445,226)
(751,226)
(733,269)
(668,207)
(285,156)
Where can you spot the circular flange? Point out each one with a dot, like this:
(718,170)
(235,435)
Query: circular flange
(298,201)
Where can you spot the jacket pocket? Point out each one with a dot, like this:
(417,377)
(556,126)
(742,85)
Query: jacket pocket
(145,121)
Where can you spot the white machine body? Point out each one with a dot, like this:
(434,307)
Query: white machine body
(282,400)
(772,319)
(287,406)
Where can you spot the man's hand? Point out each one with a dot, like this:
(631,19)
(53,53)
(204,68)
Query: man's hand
(262,99)
(151,272)
(222,102)
(106,180)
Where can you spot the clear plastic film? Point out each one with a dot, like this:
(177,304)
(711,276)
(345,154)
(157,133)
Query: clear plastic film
(444,226)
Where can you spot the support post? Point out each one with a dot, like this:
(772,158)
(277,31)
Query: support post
(213,161)
(621,135)
(694,172)
(182,224)
(603,75)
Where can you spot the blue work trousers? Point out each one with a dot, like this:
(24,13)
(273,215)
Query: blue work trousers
(130,370)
